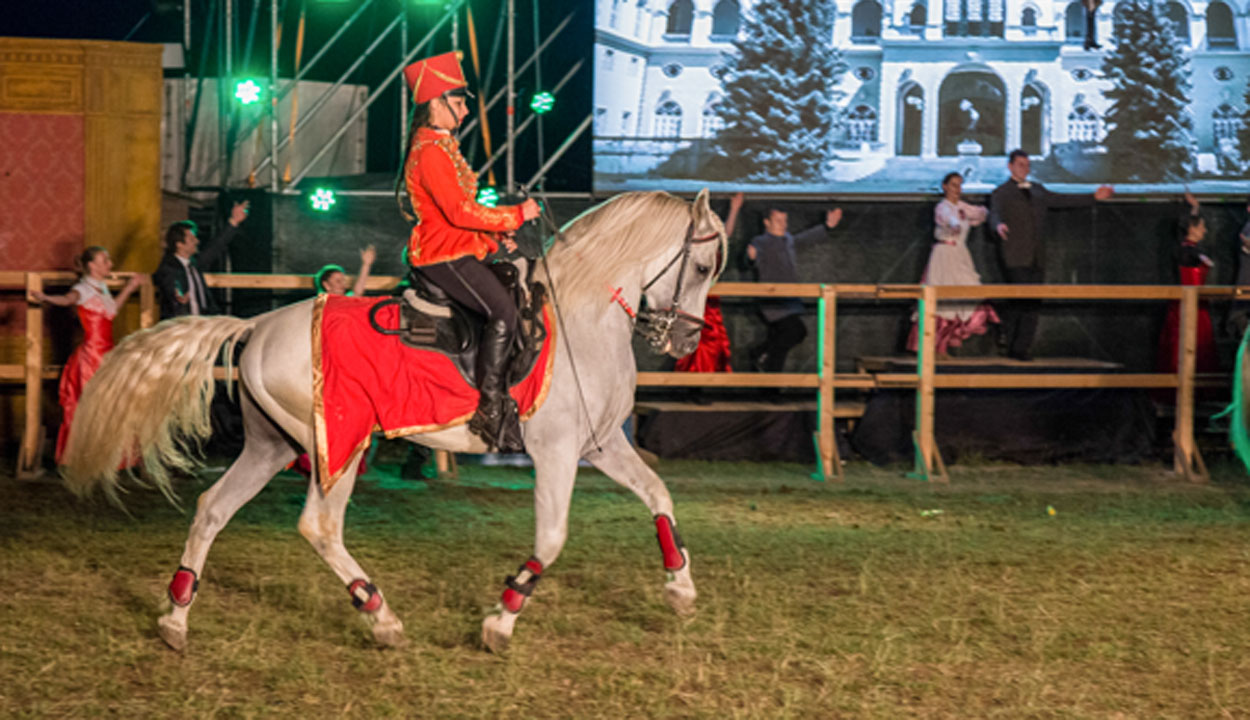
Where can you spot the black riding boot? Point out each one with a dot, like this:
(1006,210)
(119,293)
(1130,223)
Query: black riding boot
(496,419)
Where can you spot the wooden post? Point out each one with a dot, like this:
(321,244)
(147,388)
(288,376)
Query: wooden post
(1187,460)
(28,460)
(928,460)
(148,314)
(826,348)
(445,463)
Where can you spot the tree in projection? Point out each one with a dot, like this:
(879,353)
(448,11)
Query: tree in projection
(780,97)
(1150,133)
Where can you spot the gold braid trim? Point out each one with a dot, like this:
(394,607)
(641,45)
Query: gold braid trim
(433,427)
(468,184)
(551,361)
(319,402)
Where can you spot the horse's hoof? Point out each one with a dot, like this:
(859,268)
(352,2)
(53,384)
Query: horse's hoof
(495,636)
(680,599)
(389,635)
(174,635)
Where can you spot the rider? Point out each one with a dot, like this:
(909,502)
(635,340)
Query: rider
(454,235)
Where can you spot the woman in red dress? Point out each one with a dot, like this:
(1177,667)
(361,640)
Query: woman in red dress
(96,310)
(712,354)
(455,235)
(1194,265)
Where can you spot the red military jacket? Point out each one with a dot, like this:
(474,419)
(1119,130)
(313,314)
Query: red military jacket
(451,223)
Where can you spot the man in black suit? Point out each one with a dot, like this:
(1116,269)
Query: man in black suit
(178,277)
(1018,214)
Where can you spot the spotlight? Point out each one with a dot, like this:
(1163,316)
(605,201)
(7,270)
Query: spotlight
(322,199)
(247,92)
(542,102)
(488,196)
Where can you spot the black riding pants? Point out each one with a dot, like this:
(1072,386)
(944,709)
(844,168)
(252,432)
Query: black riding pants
(469,282)
(783,335)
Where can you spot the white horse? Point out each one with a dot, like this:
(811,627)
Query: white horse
(152,392)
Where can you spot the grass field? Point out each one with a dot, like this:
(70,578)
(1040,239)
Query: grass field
(1130,600)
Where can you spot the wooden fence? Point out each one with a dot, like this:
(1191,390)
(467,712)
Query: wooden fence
(826,381)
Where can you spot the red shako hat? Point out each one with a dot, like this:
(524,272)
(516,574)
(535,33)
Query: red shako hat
(433,76)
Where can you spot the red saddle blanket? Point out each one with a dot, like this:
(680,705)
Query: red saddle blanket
(364,381)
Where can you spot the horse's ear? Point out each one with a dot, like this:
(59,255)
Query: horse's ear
(702,205)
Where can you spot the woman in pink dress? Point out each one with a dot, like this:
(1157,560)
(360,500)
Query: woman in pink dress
(950,263)
(96,310)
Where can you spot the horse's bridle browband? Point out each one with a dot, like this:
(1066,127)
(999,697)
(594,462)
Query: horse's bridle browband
(659,323)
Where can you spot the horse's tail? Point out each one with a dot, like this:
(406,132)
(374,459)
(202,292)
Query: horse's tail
(149,402)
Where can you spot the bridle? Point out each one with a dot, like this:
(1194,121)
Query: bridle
(657,326)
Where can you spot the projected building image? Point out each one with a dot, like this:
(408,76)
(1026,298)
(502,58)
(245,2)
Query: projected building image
(919,88)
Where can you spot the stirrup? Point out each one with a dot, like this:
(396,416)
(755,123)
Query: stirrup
(500,430)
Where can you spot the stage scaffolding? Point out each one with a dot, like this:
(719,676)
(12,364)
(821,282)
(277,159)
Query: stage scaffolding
(252,137)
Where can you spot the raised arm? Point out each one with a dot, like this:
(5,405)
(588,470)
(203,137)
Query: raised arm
(735,206)
(1078,199)
(367,256)
(129,289)
(217,246)
(816,232)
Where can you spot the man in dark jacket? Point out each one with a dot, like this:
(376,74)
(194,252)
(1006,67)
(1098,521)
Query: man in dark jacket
(1018,214)
(178,277)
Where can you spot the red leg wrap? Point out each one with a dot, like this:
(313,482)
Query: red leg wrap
(182,588)
(512,600)
(514,595)
(670,543)
(365,596)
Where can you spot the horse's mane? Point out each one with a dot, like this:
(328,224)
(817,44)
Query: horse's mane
(624,230)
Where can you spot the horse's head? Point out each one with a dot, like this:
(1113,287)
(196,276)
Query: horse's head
(677,292)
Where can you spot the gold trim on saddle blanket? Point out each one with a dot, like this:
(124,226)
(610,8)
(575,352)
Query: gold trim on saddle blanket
(327,479)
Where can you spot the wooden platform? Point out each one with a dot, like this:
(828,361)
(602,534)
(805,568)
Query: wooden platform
(841,409)
(894,363)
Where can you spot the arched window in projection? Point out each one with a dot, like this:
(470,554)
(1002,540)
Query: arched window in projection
(1225,124)
(1074,22)
(1028,18)
(1033,135)
(668,120)
(1084,125)
(919,16)
(1220,30)
(712,122)
(910,120)
(725,20)
(866,22)
(971,112)
(861,125)
(680,18)
(1179,16)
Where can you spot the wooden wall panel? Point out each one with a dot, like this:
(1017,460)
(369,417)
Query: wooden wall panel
(123,83)
(79,165)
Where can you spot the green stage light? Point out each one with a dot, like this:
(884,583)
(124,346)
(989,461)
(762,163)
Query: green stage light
(247,91)
(542,102)
(322,199)
(488,196)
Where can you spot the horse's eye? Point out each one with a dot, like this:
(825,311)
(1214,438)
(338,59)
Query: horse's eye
(703,270)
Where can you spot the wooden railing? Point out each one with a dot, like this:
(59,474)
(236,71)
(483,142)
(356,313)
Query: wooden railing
(826,381)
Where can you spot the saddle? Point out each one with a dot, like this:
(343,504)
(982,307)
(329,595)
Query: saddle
(430,320)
